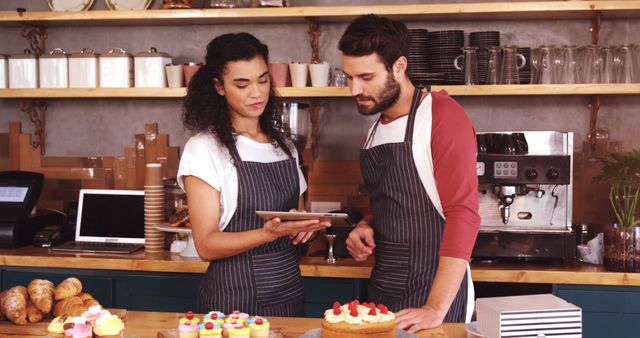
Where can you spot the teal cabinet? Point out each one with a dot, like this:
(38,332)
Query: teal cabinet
(157,292)
(320,293)
(607,311)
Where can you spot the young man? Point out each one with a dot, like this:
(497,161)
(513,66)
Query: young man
(418,163)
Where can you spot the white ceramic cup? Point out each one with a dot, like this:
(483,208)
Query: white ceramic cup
(175,76)
(299,73)
(319,74)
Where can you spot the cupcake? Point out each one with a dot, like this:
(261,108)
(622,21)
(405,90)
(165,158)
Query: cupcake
(259,327)
(240,332)
(230,326)
(188,329)
(77,328)
(93,313)
(214,317)
(109,327)
(210,330)
(189,317)
(56,327)
(237,316)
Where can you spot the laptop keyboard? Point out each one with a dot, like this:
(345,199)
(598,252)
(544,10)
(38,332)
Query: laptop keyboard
(98,247)
(106,244)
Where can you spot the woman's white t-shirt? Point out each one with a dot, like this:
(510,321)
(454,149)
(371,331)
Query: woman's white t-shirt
(206,158)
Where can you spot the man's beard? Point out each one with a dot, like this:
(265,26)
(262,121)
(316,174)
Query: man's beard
(388,97)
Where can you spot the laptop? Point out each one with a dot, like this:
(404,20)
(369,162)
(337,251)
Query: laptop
(109,221)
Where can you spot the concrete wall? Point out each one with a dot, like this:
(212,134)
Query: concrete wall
(83,127)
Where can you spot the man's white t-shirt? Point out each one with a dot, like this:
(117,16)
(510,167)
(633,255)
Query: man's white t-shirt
(206,158)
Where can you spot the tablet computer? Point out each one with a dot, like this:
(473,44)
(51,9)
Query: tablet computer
(336,219)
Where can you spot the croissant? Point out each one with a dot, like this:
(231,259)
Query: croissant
(13,304)
(72,306)
(41,294)
(88,299)
(34,315)
(67,288)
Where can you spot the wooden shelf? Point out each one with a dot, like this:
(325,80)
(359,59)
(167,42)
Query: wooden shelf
(310,92)
(458,11)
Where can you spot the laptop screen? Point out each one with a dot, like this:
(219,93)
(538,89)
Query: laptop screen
(110,216)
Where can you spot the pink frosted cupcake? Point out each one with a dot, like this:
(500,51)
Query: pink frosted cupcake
(188,329)
(237,316)
(77,328)
(93,313)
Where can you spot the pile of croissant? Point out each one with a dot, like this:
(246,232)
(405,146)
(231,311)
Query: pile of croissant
(33,303)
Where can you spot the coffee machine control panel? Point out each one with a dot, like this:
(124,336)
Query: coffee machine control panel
(523,169)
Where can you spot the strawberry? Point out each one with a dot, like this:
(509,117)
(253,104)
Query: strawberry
(208,326)
(189,315)
(372,311)
(214,316)
(336,304)
(259,321)
(336,311)
(384,309)
(354,313)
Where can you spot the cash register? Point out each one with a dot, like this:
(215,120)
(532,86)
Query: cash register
(19,219)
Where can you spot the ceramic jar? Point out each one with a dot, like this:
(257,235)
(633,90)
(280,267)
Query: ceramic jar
(83,69)
(116,69)
(23,70)
(149,68)
(54,69)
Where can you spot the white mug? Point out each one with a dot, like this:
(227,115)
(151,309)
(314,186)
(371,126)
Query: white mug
(299,73)
(319,74)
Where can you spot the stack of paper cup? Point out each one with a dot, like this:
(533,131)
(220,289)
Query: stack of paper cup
(153,208)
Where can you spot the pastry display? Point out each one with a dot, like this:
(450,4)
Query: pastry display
(216,324)
(95,322)
(355,320)
(180,217)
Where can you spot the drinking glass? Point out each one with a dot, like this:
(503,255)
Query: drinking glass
(543,64)
(627,67)
(609,65)
(493,67)
(566,62)
(591,64)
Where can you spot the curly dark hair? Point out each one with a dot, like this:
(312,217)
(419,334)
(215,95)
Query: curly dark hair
(206,111)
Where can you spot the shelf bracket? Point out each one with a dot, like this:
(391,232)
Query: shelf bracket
(36,110)
(594,107)
(36,37)
(313,29)
(596,20)
(314,110)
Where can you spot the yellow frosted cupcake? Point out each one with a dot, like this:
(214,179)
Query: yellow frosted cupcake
(109,327)
(189,317)
(259,327)
(56,327)
(240,332)
(210,330)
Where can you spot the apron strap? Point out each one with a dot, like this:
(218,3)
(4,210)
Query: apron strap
(415,102)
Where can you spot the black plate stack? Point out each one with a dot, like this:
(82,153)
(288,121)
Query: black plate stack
(443,48)
(418,66)
(484,40)
(524,74)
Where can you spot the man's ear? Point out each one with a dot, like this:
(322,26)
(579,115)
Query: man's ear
(218,86)
(400,67)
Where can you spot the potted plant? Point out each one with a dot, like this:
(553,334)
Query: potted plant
(622,240)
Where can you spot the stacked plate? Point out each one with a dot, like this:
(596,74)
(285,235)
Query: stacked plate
(443,48)
(524,73)
(418,67)
(153,208)
(484,40)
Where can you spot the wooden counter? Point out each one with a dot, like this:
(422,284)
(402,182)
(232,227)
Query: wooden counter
(569,273)
(149,324)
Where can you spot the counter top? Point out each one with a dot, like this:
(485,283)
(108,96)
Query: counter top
(568,273)
(159,324)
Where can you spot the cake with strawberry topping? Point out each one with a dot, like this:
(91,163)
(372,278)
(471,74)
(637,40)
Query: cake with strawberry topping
(355,320)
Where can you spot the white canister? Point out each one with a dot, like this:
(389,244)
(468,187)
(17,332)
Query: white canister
(23,70)
(83,69)
(54,69)
(116,69)
(4,71)
(149,68)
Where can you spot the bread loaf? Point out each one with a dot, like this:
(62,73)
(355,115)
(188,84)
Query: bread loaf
(41,294)
(67,288)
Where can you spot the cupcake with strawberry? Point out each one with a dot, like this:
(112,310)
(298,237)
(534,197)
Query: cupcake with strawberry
(189,317)
(210,330)
(215,317)
(187,329)
(259,327)
(240,332)
(237,316)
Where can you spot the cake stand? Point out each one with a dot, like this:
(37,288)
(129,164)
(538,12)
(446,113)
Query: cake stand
(190,250)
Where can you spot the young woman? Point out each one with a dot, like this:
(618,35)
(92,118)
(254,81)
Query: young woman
(239,161)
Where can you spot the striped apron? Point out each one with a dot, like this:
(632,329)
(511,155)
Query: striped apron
(265,280)
(408,228)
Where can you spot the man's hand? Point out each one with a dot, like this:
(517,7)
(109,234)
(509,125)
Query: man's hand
(416,319)
(360,242)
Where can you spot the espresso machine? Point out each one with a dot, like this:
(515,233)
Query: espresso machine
(525,194)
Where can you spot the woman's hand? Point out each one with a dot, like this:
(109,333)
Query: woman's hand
(302,237)
(276,228)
